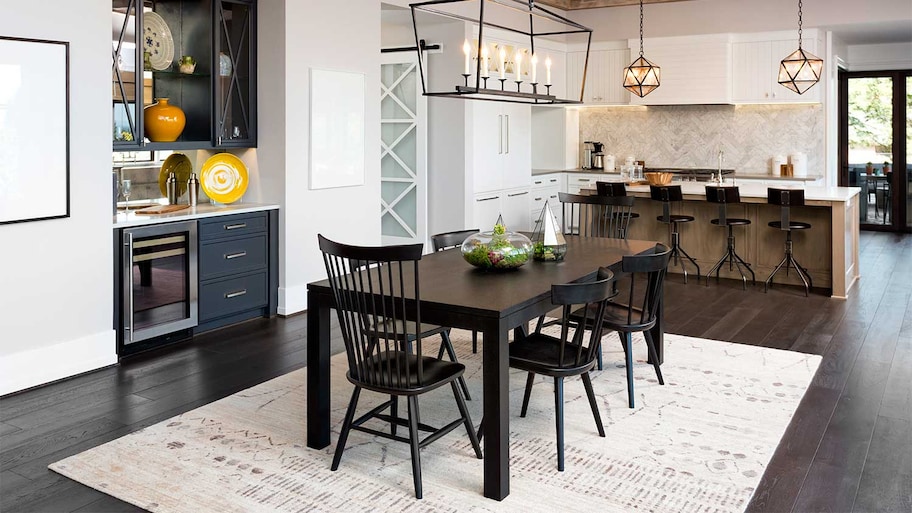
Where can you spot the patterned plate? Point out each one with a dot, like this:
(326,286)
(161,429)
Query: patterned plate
(157,41)
(223,178)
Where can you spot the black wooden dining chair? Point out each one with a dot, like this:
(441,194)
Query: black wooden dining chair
(441,242)
(596,216)
(376,289)
(647,279)
(565,356)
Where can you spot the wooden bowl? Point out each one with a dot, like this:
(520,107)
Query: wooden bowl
(659,178)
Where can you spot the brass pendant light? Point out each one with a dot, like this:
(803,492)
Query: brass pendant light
(642,77)
(800,70)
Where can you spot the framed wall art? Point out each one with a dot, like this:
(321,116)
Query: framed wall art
(34,130)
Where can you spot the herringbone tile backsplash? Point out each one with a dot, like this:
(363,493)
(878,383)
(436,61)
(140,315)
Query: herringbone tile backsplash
(691,135)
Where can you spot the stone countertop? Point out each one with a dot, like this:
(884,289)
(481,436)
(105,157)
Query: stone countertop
(753,176)
(130,219)
(757,193)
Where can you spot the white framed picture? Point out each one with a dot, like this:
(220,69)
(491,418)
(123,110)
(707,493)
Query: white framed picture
(336,129)
(34,130)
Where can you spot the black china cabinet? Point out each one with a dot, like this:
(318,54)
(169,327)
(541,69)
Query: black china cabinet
(217,92)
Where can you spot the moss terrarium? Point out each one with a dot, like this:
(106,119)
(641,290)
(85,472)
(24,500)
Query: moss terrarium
(548,243)
(498,249)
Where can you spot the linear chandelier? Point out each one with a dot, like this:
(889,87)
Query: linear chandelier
(496,70)
(642,76)
(800,70)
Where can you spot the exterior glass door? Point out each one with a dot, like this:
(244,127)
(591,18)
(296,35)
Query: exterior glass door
(875,149)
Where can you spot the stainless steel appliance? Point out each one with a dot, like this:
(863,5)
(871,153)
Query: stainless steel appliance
(160,280)
(587,155)
(598,157)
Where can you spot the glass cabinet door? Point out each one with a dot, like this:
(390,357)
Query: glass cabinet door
(235,83)
(126,74)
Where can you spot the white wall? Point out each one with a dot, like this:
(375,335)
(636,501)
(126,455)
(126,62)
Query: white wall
(296,36)
(56,276)
(880,57)
(721,16)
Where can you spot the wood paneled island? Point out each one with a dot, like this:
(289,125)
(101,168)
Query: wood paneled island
(829,250)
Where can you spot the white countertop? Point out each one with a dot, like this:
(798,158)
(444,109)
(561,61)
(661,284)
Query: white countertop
(756,193)
(737,175)
(126,220)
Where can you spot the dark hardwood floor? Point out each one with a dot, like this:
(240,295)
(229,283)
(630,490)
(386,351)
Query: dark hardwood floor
(848,447)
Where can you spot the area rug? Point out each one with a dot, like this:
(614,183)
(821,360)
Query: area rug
(700,443)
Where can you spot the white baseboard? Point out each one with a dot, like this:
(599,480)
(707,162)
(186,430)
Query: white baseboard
(292,300)
(34,367)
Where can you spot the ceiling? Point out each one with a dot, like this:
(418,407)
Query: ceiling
(570,5)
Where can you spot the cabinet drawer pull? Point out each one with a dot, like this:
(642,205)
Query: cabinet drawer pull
(539,182)
(488,199)
(553,180)
(517,194)
(235,226)
(582,179)
(235,294)
(553,196)
(236,255)
(538,198)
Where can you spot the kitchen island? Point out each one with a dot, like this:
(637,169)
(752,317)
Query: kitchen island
(829,250)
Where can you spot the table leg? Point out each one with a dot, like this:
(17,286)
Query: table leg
(318,350)
(496,375)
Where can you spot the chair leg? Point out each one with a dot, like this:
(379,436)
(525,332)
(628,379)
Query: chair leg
(628,342)
(650,345)
(394,413)
(474,341)
(346,427)
(525,406)
(448,346)
(587,382)
(470,429)
(559,420)
(413,442)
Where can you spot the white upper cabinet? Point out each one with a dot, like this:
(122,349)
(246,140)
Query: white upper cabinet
(500,145)
(604,76)
(694,69)
(755,68)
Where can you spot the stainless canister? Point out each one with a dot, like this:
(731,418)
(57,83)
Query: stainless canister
(171,188)
(193,185)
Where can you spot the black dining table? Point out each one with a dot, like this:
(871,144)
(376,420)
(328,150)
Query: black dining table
(457,295)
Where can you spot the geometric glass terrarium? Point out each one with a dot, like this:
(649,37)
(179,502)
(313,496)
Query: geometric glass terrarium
(548,243)
(498,249)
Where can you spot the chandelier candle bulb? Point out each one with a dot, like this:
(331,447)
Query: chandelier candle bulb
(518,62)
(503,63)
(548,71)
(468,57)
(484,62)
(534,67)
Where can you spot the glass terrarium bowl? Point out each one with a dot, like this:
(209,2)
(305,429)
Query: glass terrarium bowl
(548,253)
(497,250)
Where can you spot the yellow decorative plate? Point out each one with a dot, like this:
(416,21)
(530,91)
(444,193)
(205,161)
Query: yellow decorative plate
(180,165)
(223,178)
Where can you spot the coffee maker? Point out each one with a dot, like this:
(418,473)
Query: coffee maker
(598,157)
(587,155)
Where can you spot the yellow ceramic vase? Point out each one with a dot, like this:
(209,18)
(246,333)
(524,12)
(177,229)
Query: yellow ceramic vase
(163,122)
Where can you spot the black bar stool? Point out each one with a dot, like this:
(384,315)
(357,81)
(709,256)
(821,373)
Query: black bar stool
(725,196)
(786,198)
(666,194)
(612,190)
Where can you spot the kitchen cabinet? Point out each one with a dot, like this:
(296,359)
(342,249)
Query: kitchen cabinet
(755,70)
(578,181)
(500,145)
(546,189)
(218,98)
(236,280)
(513,205)
(604,76)
(695,69)
(555,138)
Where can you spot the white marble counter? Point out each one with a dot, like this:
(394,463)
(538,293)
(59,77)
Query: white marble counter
(126,220)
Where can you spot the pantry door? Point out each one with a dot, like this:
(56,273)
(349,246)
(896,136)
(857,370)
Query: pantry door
(403,150)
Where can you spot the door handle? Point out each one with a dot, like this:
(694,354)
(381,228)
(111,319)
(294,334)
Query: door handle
(500,134)
(488,199)
(507,123)
(235,226)
(128,269)
(235,294)
(517,194)
(236,255)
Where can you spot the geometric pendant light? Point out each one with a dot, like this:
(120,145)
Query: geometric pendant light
(801,69)
(642,77)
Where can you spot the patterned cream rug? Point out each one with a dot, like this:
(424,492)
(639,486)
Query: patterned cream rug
(700,443)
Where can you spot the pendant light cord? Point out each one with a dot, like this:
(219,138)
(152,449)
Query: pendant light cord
(641,27)
(799,24)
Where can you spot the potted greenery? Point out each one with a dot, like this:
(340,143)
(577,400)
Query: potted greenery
(886,167)
(869,168)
